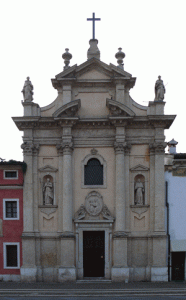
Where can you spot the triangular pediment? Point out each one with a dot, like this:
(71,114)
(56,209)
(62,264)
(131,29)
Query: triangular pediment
(48,168)
(139,168)
(110,71)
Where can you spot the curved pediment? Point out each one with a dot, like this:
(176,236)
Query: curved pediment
(119,109)
(68,110)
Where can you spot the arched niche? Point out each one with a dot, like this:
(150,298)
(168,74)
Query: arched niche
(142,173)
(47,172)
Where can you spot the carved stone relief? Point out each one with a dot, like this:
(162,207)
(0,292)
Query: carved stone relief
(94,204)
(94,207)
(80,214)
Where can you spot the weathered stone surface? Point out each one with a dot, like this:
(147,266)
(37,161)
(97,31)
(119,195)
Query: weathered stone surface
(94,117)
(120,274)
(66,274)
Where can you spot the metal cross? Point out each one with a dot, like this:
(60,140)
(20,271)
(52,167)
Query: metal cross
(93,19)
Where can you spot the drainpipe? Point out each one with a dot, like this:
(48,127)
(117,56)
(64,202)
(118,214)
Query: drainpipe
(168,235)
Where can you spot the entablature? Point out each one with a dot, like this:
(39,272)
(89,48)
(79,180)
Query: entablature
(163,121)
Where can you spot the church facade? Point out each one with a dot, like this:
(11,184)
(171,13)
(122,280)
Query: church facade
(94,191)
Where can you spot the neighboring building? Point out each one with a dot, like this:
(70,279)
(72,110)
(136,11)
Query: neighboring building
(11,219)
(175,177)
(94,191)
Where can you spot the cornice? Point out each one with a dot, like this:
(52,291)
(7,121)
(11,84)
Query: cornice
(129,122)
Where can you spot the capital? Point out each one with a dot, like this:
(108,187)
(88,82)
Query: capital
(122,147)
(119,147)
(67,148)
(30,148)
(157,148)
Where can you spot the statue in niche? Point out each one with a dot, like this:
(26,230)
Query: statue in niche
(139,192)
(159,90)
(28,90)
(48,192)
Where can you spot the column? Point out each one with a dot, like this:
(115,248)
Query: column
(120,188)
(120,271)
(67,187)
(67,270)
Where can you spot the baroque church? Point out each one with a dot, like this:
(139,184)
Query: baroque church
(94,190)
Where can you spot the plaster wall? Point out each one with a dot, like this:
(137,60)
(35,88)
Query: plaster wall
(93,105)
(48,156)
(177,205)
(139,155)
(11,230)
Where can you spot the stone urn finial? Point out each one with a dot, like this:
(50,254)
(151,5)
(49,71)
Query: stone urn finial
(120,56)
(67,57)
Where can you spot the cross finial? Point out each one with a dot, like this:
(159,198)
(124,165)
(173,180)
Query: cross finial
(93,19)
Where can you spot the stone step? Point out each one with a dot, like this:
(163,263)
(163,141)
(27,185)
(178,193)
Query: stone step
(95,280)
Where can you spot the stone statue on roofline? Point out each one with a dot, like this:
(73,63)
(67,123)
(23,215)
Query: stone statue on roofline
(28,90)
(159,90)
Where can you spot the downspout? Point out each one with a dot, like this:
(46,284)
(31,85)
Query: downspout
(168,235)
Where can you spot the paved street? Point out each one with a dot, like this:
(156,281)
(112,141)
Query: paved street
(94,291)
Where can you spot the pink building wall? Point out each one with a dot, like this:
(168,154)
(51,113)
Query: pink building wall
(11,229)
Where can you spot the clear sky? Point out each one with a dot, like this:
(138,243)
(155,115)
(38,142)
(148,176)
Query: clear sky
(34,35)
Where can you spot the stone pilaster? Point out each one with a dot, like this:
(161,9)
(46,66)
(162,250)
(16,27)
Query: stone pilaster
(159,270)
(159,186)
(35,152)
(127,186)
(60,187)
(28,269)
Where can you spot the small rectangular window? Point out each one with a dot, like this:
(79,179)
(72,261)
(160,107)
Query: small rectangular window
(11,209)
(11,255)
(10,175)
